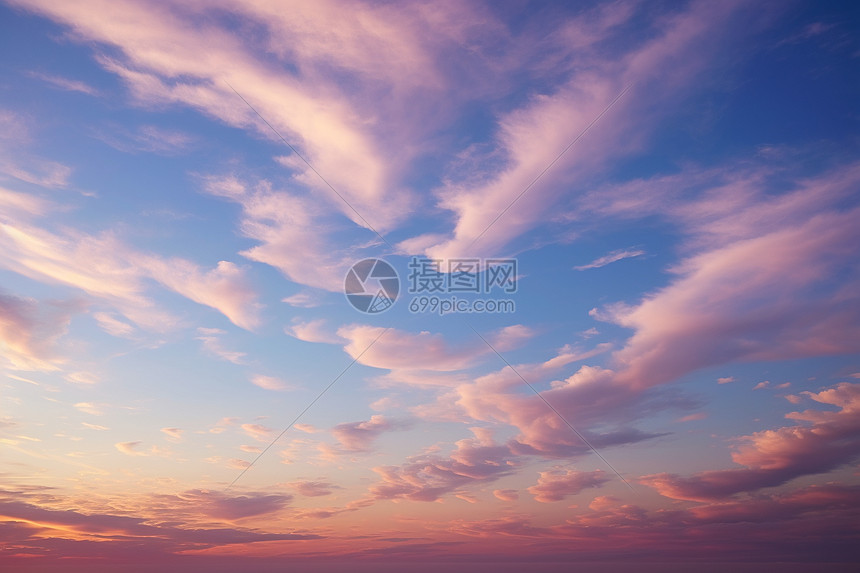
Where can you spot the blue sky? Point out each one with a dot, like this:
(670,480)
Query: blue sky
(676,181)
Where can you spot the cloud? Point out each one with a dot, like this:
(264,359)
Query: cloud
(269,383)
(237,464)
(87,378)
(612,257)
(759,286)
(825,442)
(559,483)
(148,139)
(290,232)
(805,525)
(313,331)
(106,268)
(302,300)
(359,436)
(65,83)
(313,488)
(21,204)
(693,417)
(591,400)
(223,506)
(47,528)
(30,331)
(223,424)
(223,288)
(725,380)
(15,139)
(211,339)
(95,427)
(306,428)
(506,494)
(113,325)
(400,350)
(130,448)
(258,432)
(173,434)
(530,137)
(429,477)
(89,408)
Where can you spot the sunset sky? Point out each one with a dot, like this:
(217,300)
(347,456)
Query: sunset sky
(184,186)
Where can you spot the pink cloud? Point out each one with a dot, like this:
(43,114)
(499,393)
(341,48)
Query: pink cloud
(89,408)
(359,436)
(429,477)
(112,325)
(30,331)
(130,448)
(754,290)
(506,494)
(219,505)
(269,383)
(805,525)
(173,434)
(590,397)
(258,432)
(530,137)
(399,350)
(211,339)
(773,457)
(104,267)
(558,483)
(693,417)
(111,535)
(313,331)
(223,288)
(313,488)
(21,203)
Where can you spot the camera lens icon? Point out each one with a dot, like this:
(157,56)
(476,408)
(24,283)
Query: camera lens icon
(371,286)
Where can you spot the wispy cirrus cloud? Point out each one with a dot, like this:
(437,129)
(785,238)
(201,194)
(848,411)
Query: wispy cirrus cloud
(30,331)
(531,136)
(211,339)
(105,267)
(63,83)
(147,139)
(610,258)
(755,277)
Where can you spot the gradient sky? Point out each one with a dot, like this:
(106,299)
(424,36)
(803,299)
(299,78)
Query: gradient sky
(171,285)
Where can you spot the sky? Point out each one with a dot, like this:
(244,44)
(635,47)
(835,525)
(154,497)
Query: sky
(623,331)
